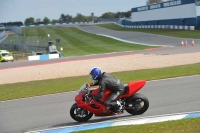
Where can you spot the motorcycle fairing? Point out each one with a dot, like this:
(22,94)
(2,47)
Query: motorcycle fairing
(131,89)
(99,111)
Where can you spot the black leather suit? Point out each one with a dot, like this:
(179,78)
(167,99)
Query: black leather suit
(107,81)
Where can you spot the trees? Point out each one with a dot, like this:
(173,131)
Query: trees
(65,18)
(62,18)
(111,15)
(19,23)
(29,21)
(55,21)
(128,14)
(148,2)
(46,20)
(123,14)
(108,15)
(38,20)
(68,18)
(79,17)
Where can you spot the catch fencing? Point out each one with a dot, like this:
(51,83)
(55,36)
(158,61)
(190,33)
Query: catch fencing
(22,43)
(15,29)
(3,36)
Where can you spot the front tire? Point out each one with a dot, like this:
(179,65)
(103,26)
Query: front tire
(137,104)
(79,114)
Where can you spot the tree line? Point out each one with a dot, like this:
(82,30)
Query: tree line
(12,24)
(69,18)
(78,18)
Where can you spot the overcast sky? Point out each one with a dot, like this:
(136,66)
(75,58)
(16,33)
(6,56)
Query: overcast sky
(19,10)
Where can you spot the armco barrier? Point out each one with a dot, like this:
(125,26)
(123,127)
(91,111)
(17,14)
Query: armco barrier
(158,26)
(73,23)
(68,23)
(43,57)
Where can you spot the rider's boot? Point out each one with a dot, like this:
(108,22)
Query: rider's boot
(119,105)
(116,107)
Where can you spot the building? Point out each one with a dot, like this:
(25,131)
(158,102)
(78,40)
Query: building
(174,12)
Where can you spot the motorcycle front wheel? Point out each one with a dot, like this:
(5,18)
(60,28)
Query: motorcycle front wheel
(79,114)
(137,104)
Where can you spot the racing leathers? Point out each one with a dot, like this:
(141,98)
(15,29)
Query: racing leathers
(107,81)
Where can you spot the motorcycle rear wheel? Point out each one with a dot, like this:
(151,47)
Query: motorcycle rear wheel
(137,104)
(79,114)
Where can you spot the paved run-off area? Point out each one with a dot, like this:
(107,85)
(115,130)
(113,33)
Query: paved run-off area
(108,64)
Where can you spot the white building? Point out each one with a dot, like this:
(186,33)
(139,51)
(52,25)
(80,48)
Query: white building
(175,12)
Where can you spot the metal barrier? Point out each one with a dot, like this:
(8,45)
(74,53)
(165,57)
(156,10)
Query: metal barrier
(21,56)
(15,29)
(157,26)
(3,36)
(22,43)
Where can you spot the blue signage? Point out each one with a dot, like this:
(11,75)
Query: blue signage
(163,5)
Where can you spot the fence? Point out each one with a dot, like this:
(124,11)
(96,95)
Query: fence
(158,27)
(3,36)
(15,29)
(21,56)
(22,43)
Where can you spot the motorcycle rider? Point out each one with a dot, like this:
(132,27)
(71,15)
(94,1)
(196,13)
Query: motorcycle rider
(106,81)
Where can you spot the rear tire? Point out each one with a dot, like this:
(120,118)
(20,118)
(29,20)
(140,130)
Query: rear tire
(79,114)
(137,104)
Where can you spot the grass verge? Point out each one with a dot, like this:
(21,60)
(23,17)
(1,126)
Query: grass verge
(166,32)
(43,87)
(179,126)
(76,42)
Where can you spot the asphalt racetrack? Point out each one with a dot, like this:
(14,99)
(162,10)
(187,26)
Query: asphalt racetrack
(166,97)
(139,37)
(50,111)
(172,45)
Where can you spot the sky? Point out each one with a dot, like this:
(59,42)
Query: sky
(19,10)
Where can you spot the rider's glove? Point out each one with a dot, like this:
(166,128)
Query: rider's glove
(88,85)
(91,84)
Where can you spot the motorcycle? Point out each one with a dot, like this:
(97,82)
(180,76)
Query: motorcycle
(131,101)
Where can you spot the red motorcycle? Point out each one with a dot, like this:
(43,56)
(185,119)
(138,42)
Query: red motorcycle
(85,106)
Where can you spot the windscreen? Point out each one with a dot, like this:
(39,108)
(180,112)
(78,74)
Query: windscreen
(5,54)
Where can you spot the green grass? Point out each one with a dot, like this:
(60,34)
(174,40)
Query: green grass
(166,32)
(76,42)
(43,87)
(191,125)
